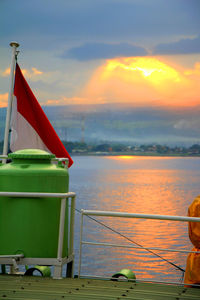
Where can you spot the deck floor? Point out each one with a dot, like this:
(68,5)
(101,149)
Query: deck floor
(32,288)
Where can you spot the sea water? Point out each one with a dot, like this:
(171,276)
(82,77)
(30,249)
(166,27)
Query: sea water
(134,184)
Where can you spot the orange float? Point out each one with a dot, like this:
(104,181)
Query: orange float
(192,272)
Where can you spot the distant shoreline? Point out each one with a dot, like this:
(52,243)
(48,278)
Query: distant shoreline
(134,154)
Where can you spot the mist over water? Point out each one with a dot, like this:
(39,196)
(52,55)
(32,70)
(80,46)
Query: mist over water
(125,123)
(151,185)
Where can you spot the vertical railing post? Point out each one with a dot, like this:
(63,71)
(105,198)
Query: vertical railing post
(61,228)
(70,265)
(80,247)
(72,218)
(58,269)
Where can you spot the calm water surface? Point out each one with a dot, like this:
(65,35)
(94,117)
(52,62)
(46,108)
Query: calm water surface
(152,185)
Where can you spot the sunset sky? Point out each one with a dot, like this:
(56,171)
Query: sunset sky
(146,53)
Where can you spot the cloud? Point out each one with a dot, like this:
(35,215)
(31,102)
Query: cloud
(91,51)
(191,124)
(143,81)
(32,73)
(193,72)
(183,46)
(89,20)
(6,72)
(66,101)
(3,100)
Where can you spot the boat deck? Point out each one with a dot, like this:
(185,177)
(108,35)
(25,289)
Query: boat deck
(32,288)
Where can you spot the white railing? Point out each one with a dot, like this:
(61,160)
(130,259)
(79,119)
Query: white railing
(129,215)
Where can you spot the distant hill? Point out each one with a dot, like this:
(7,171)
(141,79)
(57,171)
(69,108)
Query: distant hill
(123,123)
(126,124)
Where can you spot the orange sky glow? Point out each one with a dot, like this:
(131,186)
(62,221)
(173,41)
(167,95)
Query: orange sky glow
(140,81)
(144,81)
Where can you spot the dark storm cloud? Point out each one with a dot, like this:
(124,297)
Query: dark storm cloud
(52,24)
(91,51)
(184,46)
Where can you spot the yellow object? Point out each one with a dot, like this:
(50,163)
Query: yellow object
(192,272)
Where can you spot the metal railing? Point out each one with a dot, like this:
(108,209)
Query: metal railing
(128,215)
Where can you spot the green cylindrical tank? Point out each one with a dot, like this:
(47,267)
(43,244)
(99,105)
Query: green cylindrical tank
(31,225)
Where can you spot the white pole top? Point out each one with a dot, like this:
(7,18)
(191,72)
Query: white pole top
(14,44)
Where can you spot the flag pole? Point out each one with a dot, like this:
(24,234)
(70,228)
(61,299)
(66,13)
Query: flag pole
(14,46)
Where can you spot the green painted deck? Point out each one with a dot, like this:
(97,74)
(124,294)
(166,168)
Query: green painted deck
(32,288)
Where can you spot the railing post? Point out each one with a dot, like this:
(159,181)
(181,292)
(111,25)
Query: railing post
(80,247)
(70,265)
(58,269)
(61,227)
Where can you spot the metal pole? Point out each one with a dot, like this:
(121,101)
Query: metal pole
(72,216)
(35,195)
(70,265)
(61,228)
(80,247)
(139,216)
(14,46)
(137,247)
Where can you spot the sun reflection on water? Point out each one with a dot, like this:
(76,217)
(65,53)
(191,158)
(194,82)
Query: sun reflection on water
(147,186)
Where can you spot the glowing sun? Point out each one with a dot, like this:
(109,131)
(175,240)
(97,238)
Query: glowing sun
(141,81)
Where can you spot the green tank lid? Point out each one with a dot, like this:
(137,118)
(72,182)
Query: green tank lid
(31,153)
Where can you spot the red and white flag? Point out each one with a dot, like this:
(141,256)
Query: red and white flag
(30,127)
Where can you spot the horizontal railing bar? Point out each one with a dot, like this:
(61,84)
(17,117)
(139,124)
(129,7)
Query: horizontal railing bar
(12,256)
(136,247)
(138,216)
(41,195)
(54,159)
(36,260)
